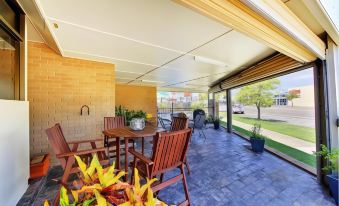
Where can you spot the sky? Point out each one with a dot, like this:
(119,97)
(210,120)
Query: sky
(297,79)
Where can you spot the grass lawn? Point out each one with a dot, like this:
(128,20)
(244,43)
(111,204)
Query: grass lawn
(300,132)
(292,152)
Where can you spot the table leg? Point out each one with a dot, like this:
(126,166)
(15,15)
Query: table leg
(117,163)
(126,159)
(142,145)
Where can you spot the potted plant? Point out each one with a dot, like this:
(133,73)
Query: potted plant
(216,123)
(129,114)
(257,141)
(331,168)
(209,119)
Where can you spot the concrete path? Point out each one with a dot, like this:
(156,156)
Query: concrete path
(296,143)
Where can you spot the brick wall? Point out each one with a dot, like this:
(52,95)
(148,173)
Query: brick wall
(137,97)
(58,87)
(7,66)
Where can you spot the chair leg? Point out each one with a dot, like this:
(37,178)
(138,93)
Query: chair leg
(67,171)
(117,159)
(202,131)
(134,166)
(161,180)
(142,145)
(188,167)
(184,181)
(57,199)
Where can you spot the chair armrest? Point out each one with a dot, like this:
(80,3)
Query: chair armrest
(81,152)
(140,157)
(85,141)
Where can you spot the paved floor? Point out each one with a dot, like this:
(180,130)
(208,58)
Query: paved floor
(293,142)
(225,172)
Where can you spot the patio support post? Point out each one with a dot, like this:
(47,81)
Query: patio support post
(332,65)
(321,112)
(210,104)
(229,110)
(213,103)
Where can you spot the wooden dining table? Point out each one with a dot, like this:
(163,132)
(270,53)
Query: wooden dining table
(127,133)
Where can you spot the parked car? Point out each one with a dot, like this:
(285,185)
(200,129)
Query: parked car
(238,109)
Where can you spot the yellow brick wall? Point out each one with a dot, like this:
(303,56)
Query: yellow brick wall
(137,98)
(58,87)
(7,70)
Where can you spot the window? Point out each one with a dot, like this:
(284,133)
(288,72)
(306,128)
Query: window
(9,68)
(9,52)
(285,109)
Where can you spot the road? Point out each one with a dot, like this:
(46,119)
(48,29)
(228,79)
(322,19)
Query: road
(303,116)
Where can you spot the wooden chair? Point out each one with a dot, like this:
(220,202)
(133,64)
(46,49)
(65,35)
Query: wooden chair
(181,123)
(63,152)
(169,152)
(113,145)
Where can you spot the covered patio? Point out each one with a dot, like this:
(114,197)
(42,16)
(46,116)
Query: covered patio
(84,84)
(224,172)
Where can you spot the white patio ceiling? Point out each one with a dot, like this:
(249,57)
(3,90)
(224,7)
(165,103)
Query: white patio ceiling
(151,42)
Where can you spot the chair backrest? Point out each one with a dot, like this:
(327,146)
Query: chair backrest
(169,150)
(114,122)
(179,114)
(179,123)
(57,140)
(198,111)
(199,121)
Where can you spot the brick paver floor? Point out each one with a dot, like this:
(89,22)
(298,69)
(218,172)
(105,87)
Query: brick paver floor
(224,172)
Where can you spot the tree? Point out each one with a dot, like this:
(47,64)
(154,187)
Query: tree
(203,96)
(292,95)
(259,94)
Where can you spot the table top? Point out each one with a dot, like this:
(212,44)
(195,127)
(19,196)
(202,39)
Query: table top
(148,131)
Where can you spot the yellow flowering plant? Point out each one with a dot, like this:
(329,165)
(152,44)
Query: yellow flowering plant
(102,187)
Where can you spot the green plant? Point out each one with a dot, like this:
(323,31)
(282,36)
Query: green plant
(209,119)
(101,187)
(256,131)
(120,111)
(331,157)
(197,105)
(216,120)
(129,114)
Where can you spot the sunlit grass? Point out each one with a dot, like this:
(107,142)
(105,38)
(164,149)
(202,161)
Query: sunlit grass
(300,132)
(292,152)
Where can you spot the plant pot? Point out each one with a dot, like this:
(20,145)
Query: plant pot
(257,144)
(333,184)
(216,125)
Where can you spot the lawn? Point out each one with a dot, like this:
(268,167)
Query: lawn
(300,132)
(292,152)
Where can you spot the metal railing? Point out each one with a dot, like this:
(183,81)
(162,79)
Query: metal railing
(166,112)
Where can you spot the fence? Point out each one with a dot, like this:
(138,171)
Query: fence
(166,112)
